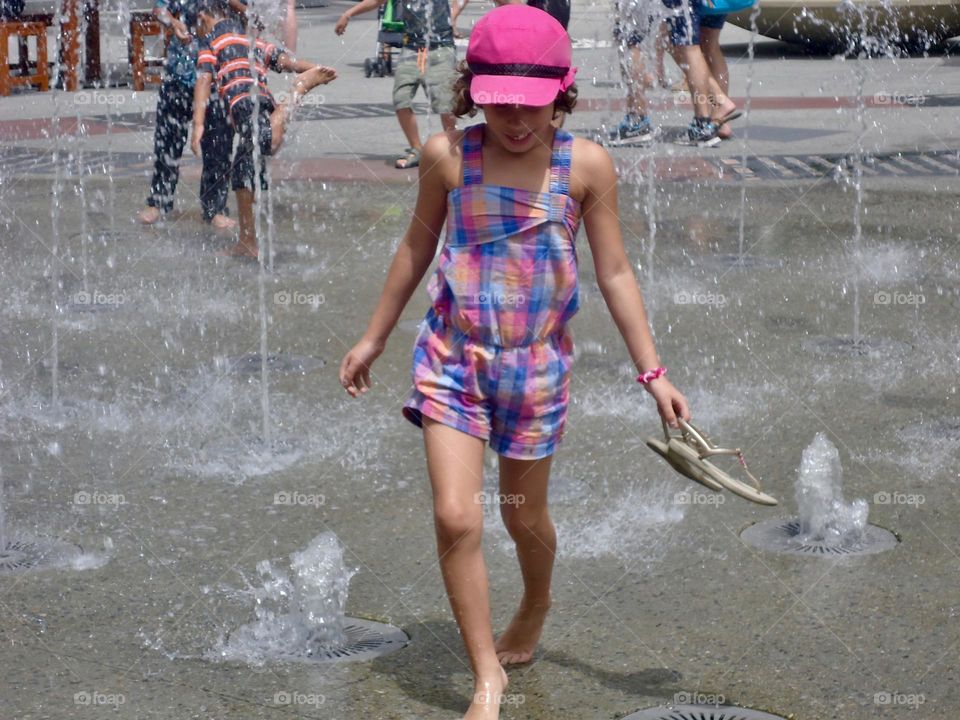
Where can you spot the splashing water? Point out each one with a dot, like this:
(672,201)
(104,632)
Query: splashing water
(297,615)
(824,516)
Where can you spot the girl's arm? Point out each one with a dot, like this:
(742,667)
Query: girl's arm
(410,263)
(618,285)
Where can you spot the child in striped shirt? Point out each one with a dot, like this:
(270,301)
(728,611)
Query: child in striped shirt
(226,58)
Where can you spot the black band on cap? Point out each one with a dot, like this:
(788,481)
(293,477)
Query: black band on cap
(522,69)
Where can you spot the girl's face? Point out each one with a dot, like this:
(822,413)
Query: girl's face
(519,128)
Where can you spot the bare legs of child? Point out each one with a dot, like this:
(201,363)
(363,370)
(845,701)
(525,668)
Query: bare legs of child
(637,79)
(532,530)
(408,123)
(455,465)
(709,100)
(710,45)
(151,215)
(303,83)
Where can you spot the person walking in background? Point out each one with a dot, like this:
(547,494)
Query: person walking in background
(427,58)
(635,127)
(558,9)
(174,112)
(639,20)
(710,27)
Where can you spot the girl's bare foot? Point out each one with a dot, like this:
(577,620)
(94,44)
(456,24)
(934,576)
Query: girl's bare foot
(309,79)
(222,222)
(519,640)
(725,132)
(487,698)
(148,215)
(240,250)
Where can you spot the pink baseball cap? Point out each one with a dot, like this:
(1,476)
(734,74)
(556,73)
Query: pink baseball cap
(519,55)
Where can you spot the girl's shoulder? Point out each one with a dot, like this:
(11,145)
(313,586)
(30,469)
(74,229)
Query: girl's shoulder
(589,163)
(443,154)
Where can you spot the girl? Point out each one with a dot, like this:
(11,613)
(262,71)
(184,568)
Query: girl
(492,360)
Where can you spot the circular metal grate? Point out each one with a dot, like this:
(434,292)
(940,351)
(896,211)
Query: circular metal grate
(846,347)
(702,712)
(782,535)
(18,555)
(365,640)
(279,363)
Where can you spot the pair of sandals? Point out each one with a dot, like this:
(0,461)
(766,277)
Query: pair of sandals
(687,453)
(409,159)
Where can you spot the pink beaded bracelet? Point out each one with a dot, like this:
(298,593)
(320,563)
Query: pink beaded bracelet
(644,378)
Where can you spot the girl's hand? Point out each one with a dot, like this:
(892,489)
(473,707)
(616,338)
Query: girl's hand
(670,402)
(355,368)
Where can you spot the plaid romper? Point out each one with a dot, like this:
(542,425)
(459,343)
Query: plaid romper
(493,355)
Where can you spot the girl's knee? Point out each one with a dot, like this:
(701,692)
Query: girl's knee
(524,520)
(458,523)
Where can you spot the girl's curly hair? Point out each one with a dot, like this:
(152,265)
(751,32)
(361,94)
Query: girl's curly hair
(464,106)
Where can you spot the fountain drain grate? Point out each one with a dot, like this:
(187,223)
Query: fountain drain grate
(279,363)
(18,555)
(782,535)
(365,640)
(702,712)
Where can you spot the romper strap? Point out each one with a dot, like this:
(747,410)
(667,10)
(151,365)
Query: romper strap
(560,162)
(472,156)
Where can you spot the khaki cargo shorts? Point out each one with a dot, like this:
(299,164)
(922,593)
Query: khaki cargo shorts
(440,72)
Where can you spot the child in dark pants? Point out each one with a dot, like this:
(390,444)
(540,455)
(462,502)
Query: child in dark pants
(226,57)
(174,110)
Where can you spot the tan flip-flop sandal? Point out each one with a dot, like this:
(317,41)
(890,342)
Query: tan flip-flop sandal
(695,447)
(668,450)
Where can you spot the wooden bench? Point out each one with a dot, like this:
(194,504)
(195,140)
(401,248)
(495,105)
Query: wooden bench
(46,12)
(31,73)
(146,69)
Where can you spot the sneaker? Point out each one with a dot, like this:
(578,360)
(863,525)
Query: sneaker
(632,129)
(703,132)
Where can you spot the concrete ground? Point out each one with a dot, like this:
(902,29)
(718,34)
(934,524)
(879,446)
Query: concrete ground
(656,599)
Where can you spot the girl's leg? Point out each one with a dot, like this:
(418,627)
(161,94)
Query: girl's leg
(455,465)
(523,489)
